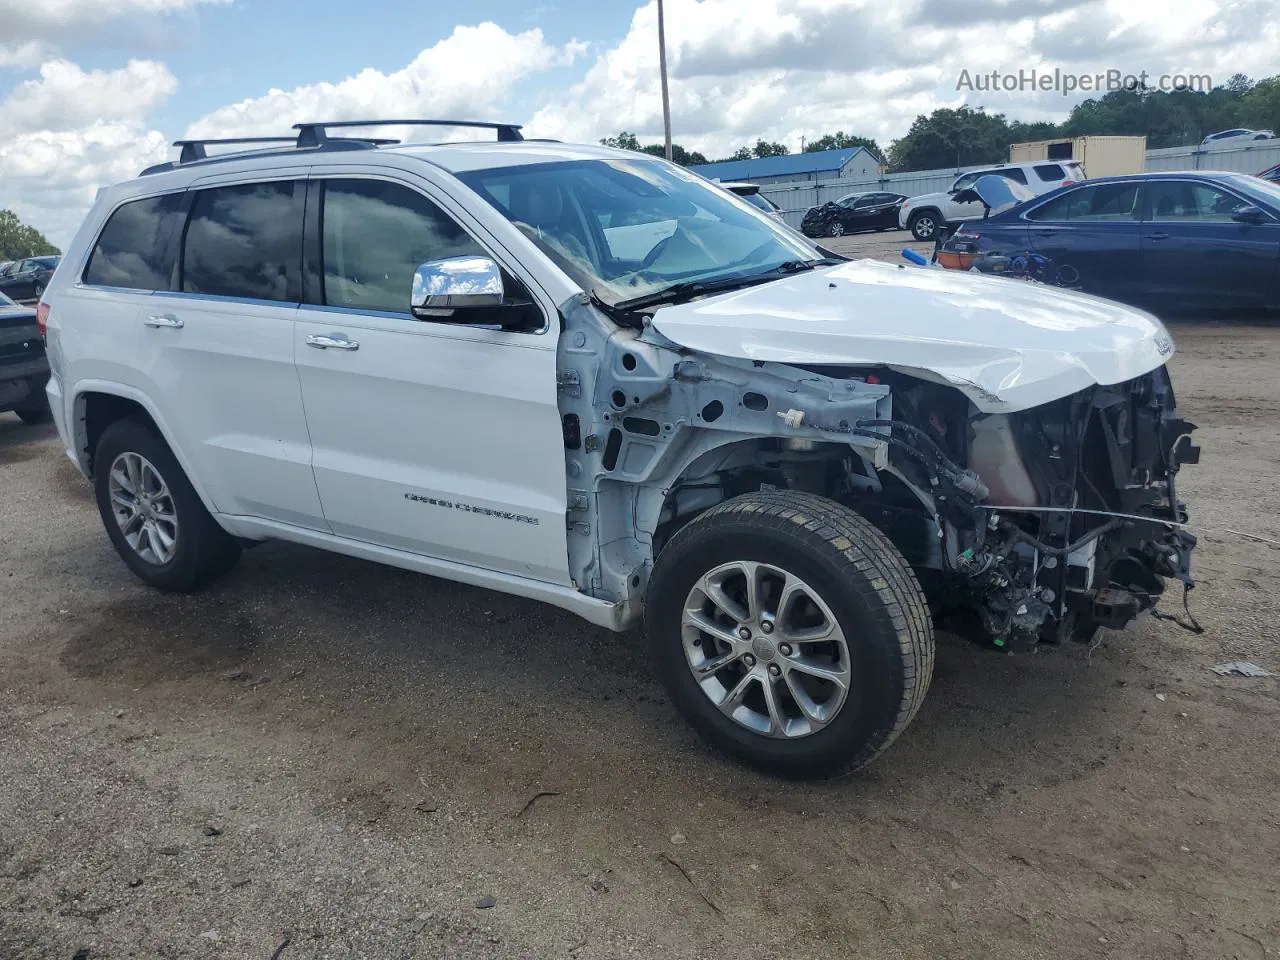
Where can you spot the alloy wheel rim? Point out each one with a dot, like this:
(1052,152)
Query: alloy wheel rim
(143,508)
(766,649)
(925,226)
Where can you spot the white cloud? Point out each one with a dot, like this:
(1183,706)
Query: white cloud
(48,20)
(464,75)
(65,97)
(25,55)
(782,69)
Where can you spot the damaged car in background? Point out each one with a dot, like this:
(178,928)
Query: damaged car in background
(635,397)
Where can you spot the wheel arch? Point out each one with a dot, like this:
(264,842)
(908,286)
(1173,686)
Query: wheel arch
(96,404)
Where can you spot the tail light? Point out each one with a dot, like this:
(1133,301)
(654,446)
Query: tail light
(42,319)
(1066,183)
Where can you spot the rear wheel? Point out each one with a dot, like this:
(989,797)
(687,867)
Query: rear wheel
(790,633)
(153,515)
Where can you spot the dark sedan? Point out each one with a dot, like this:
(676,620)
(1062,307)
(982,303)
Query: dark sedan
(851,214)
(1181,240)
(24,369)
(26,279)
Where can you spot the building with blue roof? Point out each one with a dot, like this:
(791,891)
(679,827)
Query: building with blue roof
(857,163)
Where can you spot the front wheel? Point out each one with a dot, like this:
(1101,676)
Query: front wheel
(923,225)
(790,633)
(836,229)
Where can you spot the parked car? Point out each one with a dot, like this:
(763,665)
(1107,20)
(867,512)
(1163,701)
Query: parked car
(432,356)
(1238,134)
(853,214)
(1190,240)
(751,193)
(1272,173)
(925,215)
(27,279)
(24,370)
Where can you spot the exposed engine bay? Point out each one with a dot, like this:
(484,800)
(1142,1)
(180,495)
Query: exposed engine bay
(1074,523)
(1043,524)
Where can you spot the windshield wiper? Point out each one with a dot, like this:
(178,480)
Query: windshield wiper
(694,288)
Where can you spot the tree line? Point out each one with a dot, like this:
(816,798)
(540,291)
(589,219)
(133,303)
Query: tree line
(968,136)
(18,241)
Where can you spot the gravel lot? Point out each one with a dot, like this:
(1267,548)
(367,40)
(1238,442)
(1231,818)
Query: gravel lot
(326,758)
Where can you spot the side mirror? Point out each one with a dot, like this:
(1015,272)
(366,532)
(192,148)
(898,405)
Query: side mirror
(469,290)
(442,286)
(1249,214)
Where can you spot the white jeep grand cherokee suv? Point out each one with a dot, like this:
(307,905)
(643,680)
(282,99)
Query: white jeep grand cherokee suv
(453,358)
(923,215)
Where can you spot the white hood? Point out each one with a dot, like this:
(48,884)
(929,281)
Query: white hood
(1005,343)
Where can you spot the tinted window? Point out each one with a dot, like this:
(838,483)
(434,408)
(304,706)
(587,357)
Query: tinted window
(243,241)
(1050,172)
(1107,201)
(1014,174)
(764,203)
(135,247)
(375,236)
(1182,200)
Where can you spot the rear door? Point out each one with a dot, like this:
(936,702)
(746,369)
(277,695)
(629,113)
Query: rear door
(1195,253)
(1092,234)
(220,350)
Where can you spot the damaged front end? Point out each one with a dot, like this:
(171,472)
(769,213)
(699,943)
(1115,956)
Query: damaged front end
(1079,526)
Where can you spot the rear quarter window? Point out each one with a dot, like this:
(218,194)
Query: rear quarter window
(1050,172)
(135,249)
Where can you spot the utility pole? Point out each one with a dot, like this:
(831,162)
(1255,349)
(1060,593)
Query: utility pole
(662,66)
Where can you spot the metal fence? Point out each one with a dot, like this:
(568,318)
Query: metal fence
(1251,156)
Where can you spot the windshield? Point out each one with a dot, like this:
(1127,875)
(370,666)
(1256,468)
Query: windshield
(625,229)
(1265,188)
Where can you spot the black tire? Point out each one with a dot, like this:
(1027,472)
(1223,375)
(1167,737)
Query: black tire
(203,550)
(835,229)
(862,578)
(35,413)
(924,224)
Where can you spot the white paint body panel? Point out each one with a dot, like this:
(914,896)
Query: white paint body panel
(1006,344)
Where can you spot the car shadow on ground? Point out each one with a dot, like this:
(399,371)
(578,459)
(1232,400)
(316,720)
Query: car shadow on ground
(414,662)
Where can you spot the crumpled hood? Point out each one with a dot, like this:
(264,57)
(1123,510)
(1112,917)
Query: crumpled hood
(1007,344)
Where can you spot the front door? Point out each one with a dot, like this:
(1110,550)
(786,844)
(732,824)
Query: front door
(1195,254)
(437,438)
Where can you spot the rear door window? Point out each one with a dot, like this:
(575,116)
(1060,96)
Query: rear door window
(136,248)
(244,241)
(1107,201)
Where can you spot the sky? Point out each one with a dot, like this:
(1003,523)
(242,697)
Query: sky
(92,91)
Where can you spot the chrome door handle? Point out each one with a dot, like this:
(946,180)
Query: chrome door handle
(322,341)
(163,320)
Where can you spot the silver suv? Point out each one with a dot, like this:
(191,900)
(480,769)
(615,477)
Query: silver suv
(592,378)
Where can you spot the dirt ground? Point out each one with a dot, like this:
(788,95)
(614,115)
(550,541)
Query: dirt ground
(321,757)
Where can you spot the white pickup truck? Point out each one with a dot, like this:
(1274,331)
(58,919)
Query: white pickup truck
(591,378)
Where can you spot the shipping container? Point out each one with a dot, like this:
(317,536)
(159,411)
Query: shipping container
(1099,156)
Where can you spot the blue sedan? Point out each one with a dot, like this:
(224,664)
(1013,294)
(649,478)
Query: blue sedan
(1172,240)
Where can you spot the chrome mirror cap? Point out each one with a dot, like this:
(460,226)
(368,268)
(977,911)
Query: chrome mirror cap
(457,282)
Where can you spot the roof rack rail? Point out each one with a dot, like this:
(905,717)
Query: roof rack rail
(314,134)
(193,150)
